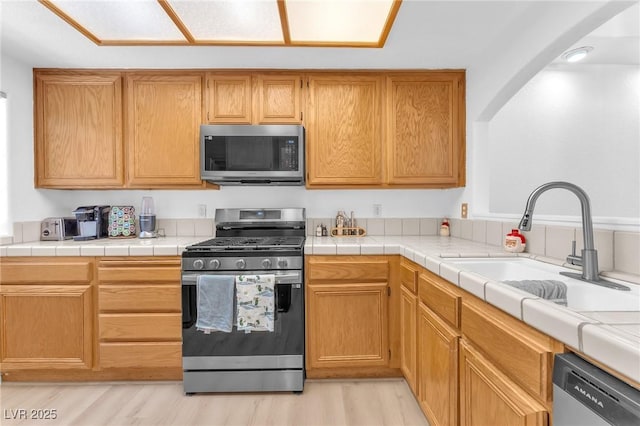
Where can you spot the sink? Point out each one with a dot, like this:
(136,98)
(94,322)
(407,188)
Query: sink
(581,296)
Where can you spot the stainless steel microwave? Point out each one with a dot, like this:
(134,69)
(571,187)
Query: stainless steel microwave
(268,154)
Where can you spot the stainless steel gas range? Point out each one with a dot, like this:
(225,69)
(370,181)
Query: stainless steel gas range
(248,242)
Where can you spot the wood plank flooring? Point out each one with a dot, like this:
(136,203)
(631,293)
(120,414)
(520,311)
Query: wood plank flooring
(367,402)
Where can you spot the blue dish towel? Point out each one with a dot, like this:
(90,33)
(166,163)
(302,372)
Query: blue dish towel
(215,303)
(555,291)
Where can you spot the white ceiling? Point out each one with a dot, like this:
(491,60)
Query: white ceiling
(616,41)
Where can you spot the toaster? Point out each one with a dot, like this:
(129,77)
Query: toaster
(58,228)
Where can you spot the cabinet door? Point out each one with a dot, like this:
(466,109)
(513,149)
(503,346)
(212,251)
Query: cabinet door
(408,305)
(229,98)
(347,325)
(277,99)
(46,326)
(78,130)
(425,129)
(163,130)
(344,130)
(438,368)
(487,397)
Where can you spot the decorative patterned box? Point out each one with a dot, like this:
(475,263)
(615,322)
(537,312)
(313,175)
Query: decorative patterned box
(122,222)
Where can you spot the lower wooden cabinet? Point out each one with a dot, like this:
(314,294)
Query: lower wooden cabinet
(408,355)
(488,397)
(46,326)
(347,325)
(351,316)
(437,368)
(139,313)
(46,320)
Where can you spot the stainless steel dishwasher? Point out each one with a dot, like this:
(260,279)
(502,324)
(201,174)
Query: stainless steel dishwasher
(585,395)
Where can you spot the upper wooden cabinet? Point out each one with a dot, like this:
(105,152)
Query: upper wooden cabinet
(78,130)
(164,113)
(254,98)
(364,129)
(344,129)
(277,98)
(425,128)
(229,98)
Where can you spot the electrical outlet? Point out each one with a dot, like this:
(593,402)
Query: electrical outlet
(377,210)
(202,210)
(464,210)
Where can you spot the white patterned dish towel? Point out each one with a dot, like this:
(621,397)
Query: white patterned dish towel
(255,302)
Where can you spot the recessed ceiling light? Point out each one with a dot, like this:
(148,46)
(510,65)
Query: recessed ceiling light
(575,55)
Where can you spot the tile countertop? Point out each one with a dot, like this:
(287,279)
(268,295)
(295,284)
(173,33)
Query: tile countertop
(161,246)
(613,338)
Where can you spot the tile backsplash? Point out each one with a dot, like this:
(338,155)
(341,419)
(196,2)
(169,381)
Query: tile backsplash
(617,250)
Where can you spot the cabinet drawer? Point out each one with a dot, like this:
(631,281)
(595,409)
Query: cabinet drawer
(139,298)
(140,327)
(409,276)
(42,270)
(141,355)
(519,351)
(140,270)
(440,299)
(348,268)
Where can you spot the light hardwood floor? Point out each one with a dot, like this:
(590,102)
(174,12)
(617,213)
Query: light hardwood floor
(367,402)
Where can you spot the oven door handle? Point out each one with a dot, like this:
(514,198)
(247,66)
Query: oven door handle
(192,279)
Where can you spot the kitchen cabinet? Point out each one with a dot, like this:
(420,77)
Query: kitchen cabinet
(425,129)
(344,129)
(46,321)
(476,363)
(347,316)
(519,351)
(163,117)
(408,321)
(438,368)
(254,98)
(229,98)
(78,129)
(139,316)
(488,397)
(89,135)
(438,337)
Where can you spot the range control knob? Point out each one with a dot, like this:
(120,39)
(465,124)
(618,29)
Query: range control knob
(214,264)
(241,264)
(198,264)
(282,263)
(266,263)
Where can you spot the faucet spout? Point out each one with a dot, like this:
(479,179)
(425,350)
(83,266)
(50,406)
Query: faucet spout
(589,258)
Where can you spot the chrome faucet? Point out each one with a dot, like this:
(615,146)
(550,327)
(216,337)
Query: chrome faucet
(589,256)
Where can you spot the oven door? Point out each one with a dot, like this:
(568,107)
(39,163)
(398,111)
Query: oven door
(281,349)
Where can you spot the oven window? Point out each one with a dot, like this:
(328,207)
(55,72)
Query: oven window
(251,153)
